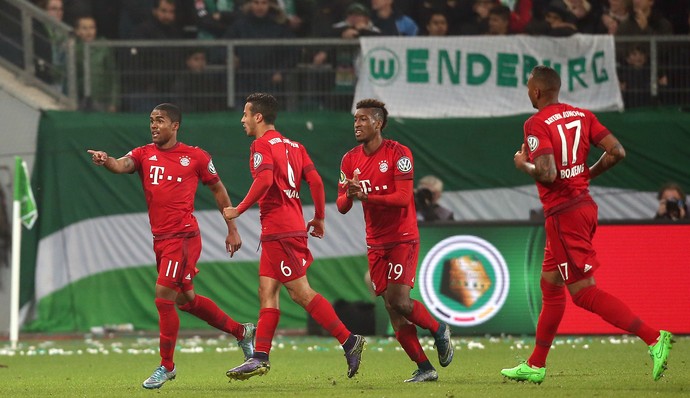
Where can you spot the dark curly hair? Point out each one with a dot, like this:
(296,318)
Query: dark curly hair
(380,111)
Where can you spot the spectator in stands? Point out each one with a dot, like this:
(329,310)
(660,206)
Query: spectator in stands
(261,68)
(391,21)
(198,88)
(51,65)
(499,20)
(357,23)
(645,21)
(520,14)
(618,11)
(558,21)
(587,16)
(160,25)
(479,24)
(437,24)
(457,12)
(147,71)
(207,19)
(104,78)
(427,195)
(672,203)
(634,78)
(297,13)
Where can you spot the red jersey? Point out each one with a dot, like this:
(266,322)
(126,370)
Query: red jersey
(377,174)
(170,178)
(567,133)
(281,208)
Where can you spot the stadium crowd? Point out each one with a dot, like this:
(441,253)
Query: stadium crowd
(259,68)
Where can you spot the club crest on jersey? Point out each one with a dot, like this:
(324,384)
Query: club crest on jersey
(532,143)
(184,161)
(258,158)
(211,167)
(383,166)
(404,164)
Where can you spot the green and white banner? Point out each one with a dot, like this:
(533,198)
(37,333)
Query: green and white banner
(89,261)
(428,78)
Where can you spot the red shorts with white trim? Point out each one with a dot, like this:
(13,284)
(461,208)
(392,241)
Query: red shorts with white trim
(285,259)
(176,260)
(397,264)
(569,243)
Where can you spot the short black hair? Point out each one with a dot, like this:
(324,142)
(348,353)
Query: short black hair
(173,111)
(547,76)
(500,11)
(265,104)
(380,111)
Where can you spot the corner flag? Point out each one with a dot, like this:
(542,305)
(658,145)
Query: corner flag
(23,212)
(23,193)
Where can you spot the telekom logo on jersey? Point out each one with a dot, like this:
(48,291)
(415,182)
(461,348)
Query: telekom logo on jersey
(156,174)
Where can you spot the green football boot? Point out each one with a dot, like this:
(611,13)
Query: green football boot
(524,372)
(659,353)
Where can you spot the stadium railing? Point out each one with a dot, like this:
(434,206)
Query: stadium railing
(39,50)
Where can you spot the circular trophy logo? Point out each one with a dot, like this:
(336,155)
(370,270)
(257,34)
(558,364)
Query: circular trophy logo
(464,280)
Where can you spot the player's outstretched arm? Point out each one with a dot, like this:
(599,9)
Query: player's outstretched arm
(117,166)
(613,153)
(233,241)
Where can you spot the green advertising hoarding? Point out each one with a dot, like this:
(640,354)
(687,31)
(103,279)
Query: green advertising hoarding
(481,278)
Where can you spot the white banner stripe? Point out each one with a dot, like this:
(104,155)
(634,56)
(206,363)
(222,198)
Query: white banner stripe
(113,242)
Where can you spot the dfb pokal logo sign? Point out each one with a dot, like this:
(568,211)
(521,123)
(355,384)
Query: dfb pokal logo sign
(464,280)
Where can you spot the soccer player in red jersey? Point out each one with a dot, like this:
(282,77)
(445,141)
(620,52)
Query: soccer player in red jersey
(379,173)
(278,165)
(170,172)
(557,141)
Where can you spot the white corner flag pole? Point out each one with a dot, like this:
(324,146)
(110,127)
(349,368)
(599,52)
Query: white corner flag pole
(24,212)
(14,285)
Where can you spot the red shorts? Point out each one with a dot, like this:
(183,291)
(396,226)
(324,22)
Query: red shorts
(176,260)
(569,243)
(397,264)
(285,259)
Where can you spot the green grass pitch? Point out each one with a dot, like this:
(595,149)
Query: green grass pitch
(591,366)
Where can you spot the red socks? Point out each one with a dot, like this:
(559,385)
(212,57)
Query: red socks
(615,312)
(168,324)
(420,316)
(323,313)
(552,310)
(207,310)
(407,336)
(265,329)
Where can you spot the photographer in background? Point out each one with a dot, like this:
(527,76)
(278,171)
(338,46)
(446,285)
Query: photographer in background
(672,204)
(426,197)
